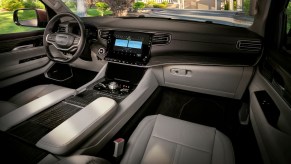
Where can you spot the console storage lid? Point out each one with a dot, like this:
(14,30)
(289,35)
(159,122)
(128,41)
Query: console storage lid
(71,132)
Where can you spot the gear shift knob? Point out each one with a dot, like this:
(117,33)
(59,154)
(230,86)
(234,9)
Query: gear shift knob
(113,85)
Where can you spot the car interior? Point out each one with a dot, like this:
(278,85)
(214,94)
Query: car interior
(146,90)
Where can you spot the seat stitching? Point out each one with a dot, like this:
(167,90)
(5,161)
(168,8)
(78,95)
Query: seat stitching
(149,137)
(131,150)
(174,156)
(182,144)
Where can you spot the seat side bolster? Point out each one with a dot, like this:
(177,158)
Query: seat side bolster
(222,150)
(138,141)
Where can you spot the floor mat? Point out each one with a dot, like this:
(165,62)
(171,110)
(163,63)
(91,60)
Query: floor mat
(214,111)
(203,112)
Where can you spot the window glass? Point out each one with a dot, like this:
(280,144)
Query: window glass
(227,12)
(288,12)
(6,15)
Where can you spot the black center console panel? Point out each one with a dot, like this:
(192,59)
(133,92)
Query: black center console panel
(119,81)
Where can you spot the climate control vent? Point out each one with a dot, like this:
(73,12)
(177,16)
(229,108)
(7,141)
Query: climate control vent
(249,45)
(103,34)
(161,38)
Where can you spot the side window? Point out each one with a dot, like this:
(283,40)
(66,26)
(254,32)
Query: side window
(7,8)
(287,41)
(288,12)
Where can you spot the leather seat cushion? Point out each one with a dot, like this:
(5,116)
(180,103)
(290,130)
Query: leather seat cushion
(161,139)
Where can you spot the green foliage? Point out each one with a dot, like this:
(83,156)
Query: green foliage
(8,26)
(94,12)
(139,5)
(11,5)
(150,3)
(26,14)
(102,6)
(160,5)
(39,5)
(33,4)
(288,12)
(71,4)
(165,3)
(234,5)
(226,5)
(246,6)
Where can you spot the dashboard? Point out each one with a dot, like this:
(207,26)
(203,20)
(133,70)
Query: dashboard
(156,42)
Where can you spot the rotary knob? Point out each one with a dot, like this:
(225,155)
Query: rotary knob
(113,85)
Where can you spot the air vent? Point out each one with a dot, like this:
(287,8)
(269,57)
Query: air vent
(249,45)
(62,29)
(160,38)
(103,34)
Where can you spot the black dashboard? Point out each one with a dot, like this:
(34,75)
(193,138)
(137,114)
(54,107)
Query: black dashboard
(151,42)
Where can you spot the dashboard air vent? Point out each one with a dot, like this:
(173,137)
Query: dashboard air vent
(103,34)
(161,38)
(62,29)
(249,45)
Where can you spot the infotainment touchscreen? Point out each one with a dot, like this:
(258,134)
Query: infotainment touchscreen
(129,47)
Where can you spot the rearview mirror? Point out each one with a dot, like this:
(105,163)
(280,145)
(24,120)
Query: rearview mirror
(30,17)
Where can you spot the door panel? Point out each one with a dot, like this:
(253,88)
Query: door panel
(270,109)
(10,41)
(20,54)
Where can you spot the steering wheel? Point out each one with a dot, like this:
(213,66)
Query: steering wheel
(66,45)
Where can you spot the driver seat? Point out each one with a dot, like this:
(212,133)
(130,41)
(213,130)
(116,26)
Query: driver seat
(26,96)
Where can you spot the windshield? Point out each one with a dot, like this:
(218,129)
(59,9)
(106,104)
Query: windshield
(226,12)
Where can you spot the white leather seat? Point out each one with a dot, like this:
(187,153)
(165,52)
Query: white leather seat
(161,139)
(25,97)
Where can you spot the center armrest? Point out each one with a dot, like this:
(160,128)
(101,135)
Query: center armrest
(34,107)
(72,131)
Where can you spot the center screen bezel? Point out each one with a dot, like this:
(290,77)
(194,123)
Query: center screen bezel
(129,47)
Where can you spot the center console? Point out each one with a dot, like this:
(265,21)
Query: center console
(76,116)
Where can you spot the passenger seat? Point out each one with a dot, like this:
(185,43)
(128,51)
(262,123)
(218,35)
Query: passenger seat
(162,139)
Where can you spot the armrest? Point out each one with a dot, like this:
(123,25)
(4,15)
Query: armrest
(30,109)
(72,131)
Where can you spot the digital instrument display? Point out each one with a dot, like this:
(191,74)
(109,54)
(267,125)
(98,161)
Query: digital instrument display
(129,47)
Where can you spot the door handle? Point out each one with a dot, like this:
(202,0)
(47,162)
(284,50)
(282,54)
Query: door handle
(22,47)
(180,72)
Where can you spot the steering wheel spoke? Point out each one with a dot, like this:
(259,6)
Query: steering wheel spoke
(51,38)
(76,41)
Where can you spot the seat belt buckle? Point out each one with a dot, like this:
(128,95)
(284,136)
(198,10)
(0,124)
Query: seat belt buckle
(118,147)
